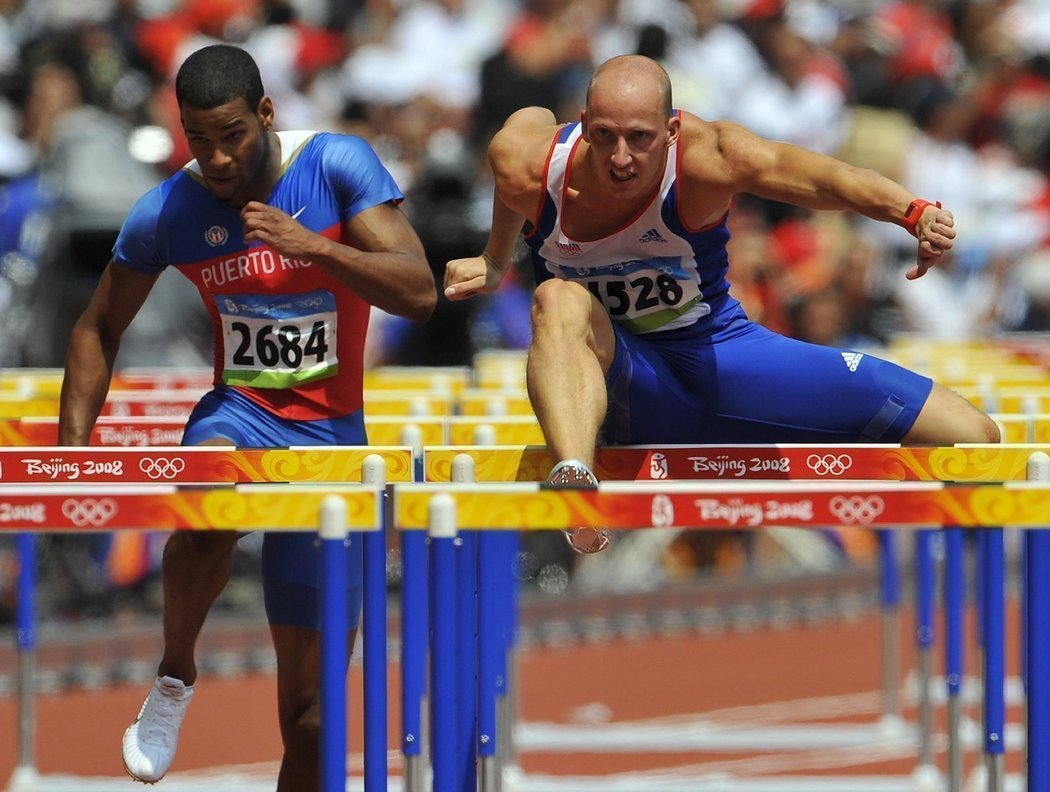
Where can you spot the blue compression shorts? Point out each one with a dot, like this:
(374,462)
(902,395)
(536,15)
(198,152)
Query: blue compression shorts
(290,560)
(743,383)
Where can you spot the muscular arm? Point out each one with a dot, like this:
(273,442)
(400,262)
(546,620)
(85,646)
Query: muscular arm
(386,266)
(93,347)
(787,173)
(517,155)
(744,162)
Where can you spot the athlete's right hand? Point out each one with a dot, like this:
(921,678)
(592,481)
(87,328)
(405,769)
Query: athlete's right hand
(466,277)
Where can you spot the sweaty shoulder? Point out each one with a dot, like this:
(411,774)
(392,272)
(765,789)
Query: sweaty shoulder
(518,156)
(719,153)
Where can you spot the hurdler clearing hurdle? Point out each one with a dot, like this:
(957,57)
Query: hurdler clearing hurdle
(636,338)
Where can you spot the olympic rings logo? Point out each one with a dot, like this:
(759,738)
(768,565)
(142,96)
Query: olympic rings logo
(89,512)
(851,509)
(162,467)
(829,464)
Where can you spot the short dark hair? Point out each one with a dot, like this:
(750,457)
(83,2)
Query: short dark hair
(218,74)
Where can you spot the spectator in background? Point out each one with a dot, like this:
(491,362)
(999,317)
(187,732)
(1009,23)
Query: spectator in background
(800,98)
(545,59)
(423,77)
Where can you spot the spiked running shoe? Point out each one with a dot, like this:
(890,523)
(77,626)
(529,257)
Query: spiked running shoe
(574,474)
(150,742)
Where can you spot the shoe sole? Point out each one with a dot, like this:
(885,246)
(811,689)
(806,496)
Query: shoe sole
(128,770)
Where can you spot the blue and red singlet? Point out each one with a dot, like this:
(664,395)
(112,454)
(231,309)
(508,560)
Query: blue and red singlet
(288,335)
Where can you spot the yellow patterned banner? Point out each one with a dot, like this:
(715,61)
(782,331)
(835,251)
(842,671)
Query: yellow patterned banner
(390,429)
(444,379)
(507,430)
(986,463)
(250,507)
(486,401)
(700,505)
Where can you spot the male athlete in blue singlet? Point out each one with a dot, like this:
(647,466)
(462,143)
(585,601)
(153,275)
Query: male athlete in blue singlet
(289,237)
(636,338)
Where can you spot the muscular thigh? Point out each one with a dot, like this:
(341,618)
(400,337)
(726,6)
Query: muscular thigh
(747,384)
(290,561)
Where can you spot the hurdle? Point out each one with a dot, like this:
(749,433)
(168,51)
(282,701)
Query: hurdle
(313,475)
(989,463)
(142,431)
(451,507)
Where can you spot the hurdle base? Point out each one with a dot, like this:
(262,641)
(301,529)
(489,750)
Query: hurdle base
(977,780)
(23,779)
(893,728)
(926,778)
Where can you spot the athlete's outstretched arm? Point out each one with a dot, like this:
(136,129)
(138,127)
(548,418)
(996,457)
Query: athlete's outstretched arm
(516,154)
(791,174)
(386,266)
(93,347)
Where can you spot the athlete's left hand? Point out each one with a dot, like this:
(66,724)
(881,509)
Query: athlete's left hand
(269,225)
(935,232)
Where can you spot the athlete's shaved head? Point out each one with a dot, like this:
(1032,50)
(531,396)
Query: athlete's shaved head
(216,75)
(626,72)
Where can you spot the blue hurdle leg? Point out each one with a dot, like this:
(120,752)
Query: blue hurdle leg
(1038,649)
(466,640)
(490,647)
(415,616)
(954,611)
(890,601)
(994,657)
(374,636)
(467,659)
(1037,643)
(925,587)
(442,520)
(333,534)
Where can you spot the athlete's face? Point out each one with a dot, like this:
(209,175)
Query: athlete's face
(231,143)
(629,134)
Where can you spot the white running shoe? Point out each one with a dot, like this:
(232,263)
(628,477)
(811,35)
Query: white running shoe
(574,474)
(150,742)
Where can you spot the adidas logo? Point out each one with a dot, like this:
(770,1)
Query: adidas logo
(852,359)
(652,235)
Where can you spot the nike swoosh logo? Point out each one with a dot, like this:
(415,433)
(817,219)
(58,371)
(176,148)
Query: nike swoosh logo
(296,215)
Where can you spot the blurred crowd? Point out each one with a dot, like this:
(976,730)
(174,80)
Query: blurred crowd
(949,97)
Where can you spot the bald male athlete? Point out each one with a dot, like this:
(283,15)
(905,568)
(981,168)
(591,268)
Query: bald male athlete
(636,338)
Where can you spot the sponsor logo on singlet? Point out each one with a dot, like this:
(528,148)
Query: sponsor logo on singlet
(852,359)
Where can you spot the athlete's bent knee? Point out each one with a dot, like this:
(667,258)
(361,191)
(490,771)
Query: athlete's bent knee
(561,299)
(301,729)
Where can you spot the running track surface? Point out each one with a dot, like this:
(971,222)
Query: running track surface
(801,676)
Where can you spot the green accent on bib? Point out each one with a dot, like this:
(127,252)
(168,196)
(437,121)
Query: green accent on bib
(657,319)
(279,379)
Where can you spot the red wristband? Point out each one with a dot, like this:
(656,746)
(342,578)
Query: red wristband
(914,212)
